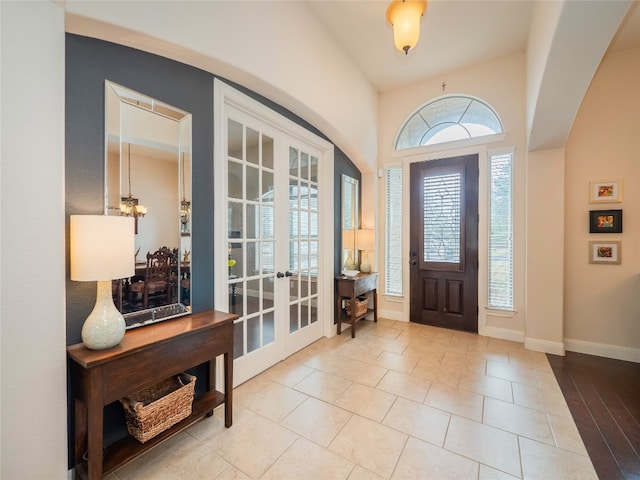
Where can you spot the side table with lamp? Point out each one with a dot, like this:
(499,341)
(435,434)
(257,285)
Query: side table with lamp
(111,363)
(350,288)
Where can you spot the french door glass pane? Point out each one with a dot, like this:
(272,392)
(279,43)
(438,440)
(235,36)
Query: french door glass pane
(235,220)
(294,317)
(253,296)
(234,143)
(253,223)
(313,169)
(253,184)
(235,179)
(253,150)
(267,152)
(253,259)
(268,222)
(253,333)
(267,292)
(268,328)
(314,310)
(304,313)
(304,165)
(236,260)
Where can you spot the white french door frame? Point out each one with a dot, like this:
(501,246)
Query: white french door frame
(226,96)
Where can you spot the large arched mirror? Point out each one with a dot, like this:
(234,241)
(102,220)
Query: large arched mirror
(350,223)
(148,176)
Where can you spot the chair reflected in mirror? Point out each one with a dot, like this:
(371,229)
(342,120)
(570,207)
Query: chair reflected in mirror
(160,279)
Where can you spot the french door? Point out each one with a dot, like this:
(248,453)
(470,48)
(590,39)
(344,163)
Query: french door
(273,268)
(444,243)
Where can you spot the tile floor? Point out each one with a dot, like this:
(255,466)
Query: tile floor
(399,401)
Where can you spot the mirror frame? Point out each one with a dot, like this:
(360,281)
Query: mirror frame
(350,221)
(115,176)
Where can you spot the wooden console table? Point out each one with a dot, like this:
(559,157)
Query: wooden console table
(350,288)
(146,356)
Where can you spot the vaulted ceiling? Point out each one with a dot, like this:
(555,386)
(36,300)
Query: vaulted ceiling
(454,35)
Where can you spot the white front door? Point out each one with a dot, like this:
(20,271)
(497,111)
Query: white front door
(269,226)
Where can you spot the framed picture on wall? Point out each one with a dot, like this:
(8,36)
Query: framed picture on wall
(605,221)
(605,191)
(607,253)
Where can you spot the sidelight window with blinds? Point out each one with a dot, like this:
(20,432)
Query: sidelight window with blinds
(393,232)
(501,232)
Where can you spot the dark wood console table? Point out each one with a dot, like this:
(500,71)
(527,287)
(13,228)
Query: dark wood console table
(145,357)
(350,288)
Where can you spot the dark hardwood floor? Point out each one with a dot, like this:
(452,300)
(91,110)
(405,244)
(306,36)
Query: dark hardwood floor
(603,396)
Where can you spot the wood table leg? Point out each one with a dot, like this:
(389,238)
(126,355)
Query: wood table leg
(339,314)
(228,389)
(94,434)
(353,317)
(79,431)
(375,304)
(212,379)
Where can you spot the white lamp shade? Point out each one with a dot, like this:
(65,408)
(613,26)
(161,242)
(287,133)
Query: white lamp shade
(405,17)
(101,247)
(366,239)
(348,238)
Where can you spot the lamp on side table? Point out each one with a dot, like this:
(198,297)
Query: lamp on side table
(102,250)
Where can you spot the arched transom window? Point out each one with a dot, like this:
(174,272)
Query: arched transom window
(448,119)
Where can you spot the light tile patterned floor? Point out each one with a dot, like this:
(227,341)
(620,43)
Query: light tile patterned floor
(400,401)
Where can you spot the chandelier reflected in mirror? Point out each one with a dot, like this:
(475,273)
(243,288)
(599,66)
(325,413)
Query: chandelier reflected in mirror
(129,206)
(185,205)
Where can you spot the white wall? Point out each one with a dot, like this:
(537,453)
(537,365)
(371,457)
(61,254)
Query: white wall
(33,411)
(602,305)
(500,83)
(545,253)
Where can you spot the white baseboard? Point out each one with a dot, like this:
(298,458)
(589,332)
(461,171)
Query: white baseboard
(545,346)
(603,350)
(391,315)
(502,333)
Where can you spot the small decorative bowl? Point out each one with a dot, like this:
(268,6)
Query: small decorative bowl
(350,273)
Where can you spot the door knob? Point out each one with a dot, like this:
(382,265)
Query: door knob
(413,263)
(279,274)
(288,274)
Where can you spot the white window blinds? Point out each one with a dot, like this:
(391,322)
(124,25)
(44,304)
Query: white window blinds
(393,232)
(501,232)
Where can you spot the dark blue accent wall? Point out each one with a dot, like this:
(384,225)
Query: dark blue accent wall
(89,63)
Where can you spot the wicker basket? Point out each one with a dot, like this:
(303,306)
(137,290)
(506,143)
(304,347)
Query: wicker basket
(153,410)
(362,303)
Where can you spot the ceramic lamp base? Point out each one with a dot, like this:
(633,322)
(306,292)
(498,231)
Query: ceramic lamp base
(365,265)
(350,263)
(104,327)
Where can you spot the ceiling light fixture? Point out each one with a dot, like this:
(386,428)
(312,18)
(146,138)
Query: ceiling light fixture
(405,17)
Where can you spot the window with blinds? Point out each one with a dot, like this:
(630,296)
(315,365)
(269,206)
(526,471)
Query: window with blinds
(393,232)
(441,218)
(501,232)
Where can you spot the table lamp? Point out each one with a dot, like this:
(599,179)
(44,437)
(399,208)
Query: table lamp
(365,243)
(101,249)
